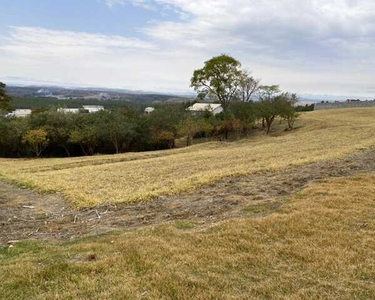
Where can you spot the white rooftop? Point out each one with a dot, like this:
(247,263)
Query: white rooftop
(20,113)
(69,110)
(149,109)
(204,107)
(93,106)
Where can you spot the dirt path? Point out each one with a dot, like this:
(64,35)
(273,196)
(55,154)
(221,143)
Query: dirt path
(25,214)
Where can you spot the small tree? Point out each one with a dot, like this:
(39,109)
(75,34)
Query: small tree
(86,138)
(219,79)
(268,106)
(164,137)
(246,113)
(189,127)
(37,140)
(58,126)
(4,98)
(117,128)
(288,112)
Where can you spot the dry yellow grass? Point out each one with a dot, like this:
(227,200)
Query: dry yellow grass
(319,245)
(140,176)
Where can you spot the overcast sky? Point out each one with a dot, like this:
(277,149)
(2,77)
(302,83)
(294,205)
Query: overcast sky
(318,47)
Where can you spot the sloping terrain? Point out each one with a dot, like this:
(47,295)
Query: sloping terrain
(299,223)
(137,177)
(318,245)
(24,214)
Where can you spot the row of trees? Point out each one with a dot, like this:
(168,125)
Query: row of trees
(52,133)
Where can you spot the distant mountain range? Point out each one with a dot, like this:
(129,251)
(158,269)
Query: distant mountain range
(102,94)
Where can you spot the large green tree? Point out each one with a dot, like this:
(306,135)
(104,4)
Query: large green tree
(4,98)
(220,79)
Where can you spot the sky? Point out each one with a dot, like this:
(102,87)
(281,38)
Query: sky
(317,48)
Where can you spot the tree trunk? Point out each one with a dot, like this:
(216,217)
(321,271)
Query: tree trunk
(269,123)
(83,150)
(37,150)
(290,123)
(170,144)
(91,150)
(116,147)
(66,150)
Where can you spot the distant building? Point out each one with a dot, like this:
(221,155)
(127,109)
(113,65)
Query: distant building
(149,110)
(69,110)
(93,108)
(20,113)
(202,107)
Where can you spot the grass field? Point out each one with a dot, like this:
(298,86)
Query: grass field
(135,177)
(320,245)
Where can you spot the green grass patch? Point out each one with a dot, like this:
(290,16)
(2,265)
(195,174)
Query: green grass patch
(183,225)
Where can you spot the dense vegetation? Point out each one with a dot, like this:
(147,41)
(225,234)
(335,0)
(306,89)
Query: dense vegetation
(54,133)
(123,127)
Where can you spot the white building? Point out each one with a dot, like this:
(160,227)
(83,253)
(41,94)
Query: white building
(69,110)
(93,108)
(20,113)
(149,110)
(202,107)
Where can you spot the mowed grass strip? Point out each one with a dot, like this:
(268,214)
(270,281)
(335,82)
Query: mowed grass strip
(319,245)
(140,176)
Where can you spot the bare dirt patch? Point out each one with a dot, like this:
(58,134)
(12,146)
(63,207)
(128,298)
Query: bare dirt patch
(25,214)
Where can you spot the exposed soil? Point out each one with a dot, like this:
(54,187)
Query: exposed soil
(25,214)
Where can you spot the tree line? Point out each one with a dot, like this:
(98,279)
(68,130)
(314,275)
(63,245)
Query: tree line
(247,105)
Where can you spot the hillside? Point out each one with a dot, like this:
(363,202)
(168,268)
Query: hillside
(134,177)
(286,216)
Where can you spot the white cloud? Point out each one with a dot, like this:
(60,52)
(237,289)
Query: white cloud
(312,46)
(77,42)
(142,3)
(90,59)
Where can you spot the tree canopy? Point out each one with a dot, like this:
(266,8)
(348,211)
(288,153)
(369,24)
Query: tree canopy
(219,79)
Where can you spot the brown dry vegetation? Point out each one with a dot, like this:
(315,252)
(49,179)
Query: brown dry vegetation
(135,177)
(319,245)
